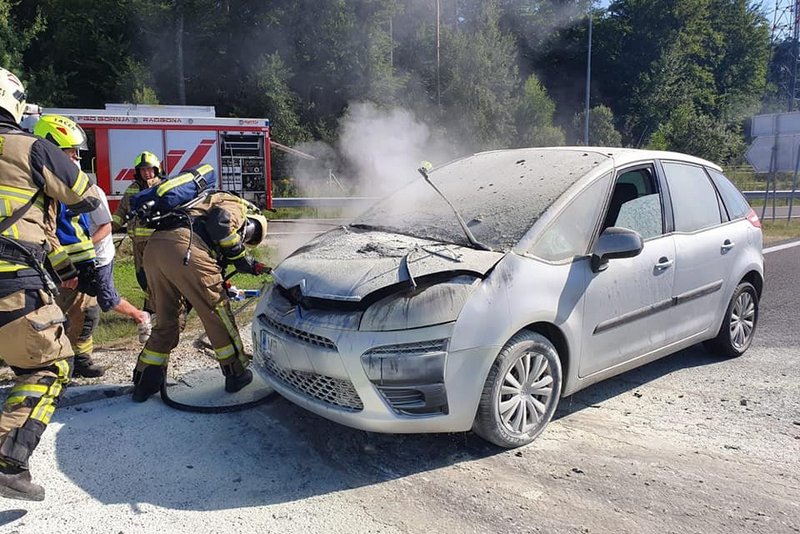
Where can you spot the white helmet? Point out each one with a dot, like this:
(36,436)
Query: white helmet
(12,94)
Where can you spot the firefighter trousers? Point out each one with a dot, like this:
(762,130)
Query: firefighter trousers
(200,283)
(83,314)
(36,347)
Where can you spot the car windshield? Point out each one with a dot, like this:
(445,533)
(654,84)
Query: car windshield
(499,194)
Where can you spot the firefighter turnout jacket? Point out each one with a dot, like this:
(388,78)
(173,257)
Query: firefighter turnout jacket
(34,176)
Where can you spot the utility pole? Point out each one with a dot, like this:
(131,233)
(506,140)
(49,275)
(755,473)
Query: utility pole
(438,91)
(179,54)
(786,31)
(795,58)
(588,83)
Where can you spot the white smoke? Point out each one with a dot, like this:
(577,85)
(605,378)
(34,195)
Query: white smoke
(382,147)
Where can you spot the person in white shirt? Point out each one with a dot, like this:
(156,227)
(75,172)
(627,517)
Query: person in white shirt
(107,296)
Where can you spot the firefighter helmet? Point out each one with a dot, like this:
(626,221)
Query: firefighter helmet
(147,159)
(61,131)
(255,229)
(12,94)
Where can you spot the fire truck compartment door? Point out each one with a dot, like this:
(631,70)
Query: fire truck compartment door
(123,147)
(190,148)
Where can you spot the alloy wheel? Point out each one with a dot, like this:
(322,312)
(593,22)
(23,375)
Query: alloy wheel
(742,320)
(526,393)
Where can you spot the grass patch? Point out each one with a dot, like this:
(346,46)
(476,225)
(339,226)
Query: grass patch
(305,213)
(780,230)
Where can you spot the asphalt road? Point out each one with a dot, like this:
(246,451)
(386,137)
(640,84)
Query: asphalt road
(687,444)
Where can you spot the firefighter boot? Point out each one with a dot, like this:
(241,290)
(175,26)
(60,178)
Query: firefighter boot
(234,383)
(85,367)
(16,483)
(148,382)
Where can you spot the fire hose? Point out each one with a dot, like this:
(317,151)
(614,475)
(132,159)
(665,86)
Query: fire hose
(251,296)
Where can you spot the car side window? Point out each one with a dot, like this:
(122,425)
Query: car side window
(571,231)
(636,203)
(694,199)
(734,201)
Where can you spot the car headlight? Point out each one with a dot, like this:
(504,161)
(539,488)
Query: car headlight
(435,304)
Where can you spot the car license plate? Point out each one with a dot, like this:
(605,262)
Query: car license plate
(269,344)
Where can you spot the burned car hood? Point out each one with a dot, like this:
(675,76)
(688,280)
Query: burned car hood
(348,265)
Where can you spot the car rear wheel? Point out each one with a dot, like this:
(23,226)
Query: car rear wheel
(739,324)
(521,392)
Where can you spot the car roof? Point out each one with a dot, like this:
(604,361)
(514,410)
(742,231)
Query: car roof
(620,156)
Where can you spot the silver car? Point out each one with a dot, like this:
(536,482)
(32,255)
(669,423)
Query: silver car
(479,294)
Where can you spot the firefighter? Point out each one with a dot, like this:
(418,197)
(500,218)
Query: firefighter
(186,258)
(147,173)
(34,176)
(78,304)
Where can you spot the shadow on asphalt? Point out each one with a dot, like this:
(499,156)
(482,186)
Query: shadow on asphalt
(121,452)
(694,356)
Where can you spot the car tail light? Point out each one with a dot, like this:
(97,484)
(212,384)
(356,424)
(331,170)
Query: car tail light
(753,218)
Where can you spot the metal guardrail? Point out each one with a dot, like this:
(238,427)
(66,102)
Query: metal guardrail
(782,194)
(347,202)
(322,202)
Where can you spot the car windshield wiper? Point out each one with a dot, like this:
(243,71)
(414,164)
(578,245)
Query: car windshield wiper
(467,232)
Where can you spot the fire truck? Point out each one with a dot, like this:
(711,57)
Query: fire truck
(182,137)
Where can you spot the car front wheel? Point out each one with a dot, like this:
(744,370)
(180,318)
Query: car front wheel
(739,324)
(521,392)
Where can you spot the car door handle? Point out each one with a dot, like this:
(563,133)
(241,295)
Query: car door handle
(727,245)
(663,263)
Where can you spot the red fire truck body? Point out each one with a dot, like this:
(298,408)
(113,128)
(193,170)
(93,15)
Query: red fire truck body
(182,137)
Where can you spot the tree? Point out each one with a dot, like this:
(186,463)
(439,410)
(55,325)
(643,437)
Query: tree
(601,127)
(16,35)
(480,82)
(699,134)
(535,119)
(709,54)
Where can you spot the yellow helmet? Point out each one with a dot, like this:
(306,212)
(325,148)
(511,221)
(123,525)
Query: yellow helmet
(61,131)
(12,94)
(147,159)
(255,229)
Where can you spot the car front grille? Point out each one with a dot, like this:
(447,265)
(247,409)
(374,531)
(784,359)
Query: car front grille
(421,347)
(403,398)
(332,391)
(295,333)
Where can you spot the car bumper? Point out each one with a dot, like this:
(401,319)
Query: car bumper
(362,380)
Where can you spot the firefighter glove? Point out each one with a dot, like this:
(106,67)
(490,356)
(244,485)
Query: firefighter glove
(250,266)
(87,280)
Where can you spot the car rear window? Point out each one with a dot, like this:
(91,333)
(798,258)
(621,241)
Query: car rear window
(733,199)
(694,200)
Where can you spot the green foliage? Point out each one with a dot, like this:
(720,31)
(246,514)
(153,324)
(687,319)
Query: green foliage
(699,134)
(535,118)
(601,127)
(266,92)
(708,54)
(16,35)
(484,74)
(135,84)
(480,79)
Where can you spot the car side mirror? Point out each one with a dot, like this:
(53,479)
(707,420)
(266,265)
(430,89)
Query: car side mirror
(613,243)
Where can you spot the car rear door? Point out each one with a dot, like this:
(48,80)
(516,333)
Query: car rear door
(628,304)
(706,248)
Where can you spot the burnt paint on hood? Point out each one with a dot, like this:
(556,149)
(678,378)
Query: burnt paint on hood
(347,266)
